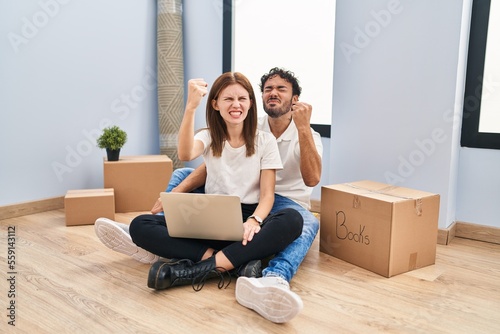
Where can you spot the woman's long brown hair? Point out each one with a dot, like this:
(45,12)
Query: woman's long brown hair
(215,122)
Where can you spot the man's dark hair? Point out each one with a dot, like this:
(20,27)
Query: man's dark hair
(288,76)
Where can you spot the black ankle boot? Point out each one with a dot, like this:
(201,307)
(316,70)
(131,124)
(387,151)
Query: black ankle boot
(249,269)
(163,275)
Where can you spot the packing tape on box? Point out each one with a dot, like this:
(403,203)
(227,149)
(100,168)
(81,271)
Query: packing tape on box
(418,206)
(356,202)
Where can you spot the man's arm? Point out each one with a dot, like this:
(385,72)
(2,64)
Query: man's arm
(191,182)
(310,160)
(194,180)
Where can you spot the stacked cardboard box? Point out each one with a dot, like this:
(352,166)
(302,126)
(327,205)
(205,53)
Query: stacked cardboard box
(137,180)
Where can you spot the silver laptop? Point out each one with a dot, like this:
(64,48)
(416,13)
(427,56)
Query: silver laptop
(203,216)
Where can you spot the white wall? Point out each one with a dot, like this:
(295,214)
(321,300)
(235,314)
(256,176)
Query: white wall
(478,191)
(69,68)
(396,76)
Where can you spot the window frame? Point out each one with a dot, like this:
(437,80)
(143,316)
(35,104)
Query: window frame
(471,137)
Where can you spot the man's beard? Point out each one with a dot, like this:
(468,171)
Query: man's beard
(276,112)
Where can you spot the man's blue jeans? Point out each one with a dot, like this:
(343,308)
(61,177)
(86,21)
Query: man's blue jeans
(286,263)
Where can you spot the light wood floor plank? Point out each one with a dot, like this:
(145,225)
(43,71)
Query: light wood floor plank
(66,281)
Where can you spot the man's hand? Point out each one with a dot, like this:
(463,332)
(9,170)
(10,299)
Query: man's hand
(194,180)
(158,207)
(301,114)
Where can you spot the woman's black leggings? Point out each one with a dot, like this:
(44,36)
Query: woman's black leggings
(279,230)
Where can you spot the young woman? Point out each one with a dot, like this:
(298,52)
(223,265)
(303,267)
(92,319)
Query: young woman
(240,160)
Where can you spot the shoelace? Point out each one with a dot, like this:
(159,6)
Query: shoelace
(200,279)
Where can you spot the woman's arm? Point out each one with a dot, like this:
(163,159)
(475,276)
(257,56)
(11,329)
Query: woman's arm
(187,148)
(196,179)
(266,201)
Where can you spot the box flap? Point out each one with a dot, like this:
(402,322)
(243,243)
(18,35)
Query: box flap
(381,191)
(89,192)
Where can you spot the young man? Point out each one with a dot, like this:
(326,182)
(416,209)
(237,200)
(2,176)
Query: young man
(300,148)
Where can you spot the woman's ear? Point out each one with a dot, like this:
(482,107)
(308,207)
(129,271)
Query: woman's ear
(214,105)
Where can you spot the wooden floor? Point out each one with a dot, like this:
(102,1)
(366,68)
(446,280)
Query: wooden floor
(66,281)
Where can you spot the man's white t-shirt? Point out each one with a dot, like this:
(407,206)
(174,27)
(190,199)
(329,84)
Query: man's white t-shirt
(289,182)
(233,173)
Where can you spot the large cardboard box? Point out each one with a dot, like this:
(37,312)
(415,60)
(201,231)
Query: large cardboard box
(137,180)
(385,229)
(83,207)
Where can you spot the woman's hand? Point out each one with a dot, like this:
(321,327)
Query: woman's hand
(197,89)
(188,148)
(250,228)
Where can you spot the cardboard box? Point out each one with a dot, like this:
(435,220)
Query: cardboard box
(83,207)
(385,229)
(137,180)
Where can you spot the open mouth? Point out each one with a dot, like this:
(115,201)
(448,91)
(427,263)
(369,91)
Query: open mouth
(235,113)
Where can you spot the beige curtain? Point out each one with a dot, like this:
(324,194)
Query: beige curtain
(170,76)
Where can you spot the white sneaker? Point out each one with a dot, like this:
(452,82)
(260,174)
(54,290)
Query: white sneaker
(116,236)
(269,296)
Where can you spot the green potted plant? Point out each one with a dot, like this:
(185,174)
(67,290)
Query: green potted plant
(112,139)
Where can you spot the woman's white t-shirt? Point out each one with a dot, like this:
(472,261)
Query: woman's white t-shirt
(233,173)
